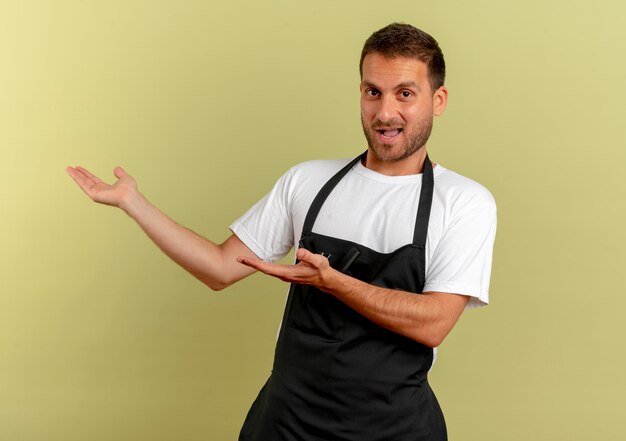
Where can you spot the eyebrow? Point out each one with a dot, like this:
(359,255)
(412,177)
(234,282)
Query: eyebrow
(408,84)
(398,86)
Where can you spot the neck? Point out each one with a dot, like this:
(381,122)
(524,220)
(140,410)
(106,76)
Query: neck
(411,165)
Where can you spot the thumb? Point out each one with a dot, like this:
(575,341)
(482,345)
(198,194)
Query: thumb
(305,255)
(119,172)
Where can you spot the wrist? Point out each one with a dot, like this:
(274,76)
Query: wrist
(333,281)
(133,203)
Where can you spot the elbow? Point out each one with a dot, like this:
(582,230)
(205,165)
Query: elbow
(218,281)
(217,284)
(433,341)
(214,283)
(432,338)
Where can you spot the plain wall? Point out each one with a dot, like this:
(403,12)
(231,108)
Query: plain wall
(207,104)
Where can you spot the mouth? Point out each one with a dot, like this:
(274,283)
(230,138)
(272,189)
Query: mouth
(388,134)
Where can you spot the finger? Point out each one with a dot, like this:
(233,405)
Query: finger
(303,254)
(72,172)
(119,172)
(83,181)
(89,175)
(271,269)
(306,256)
(257,264)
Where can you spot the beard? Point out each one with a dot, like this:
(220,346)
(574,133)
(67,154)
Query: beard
(415,139)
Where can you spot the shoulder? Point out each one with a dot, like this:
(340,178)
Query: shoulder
(301,182)
(453,188)
(317,168)
(310,176)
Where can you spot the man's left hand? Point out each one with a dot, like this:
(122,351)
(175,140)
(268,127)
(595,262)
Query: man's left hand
(313,269)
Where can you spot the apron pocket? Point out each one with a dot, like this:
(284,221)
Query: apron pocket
(348,260)
(317,313)
(313,311)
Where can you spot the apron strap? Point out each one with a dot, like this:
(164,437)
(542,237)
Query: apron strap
(423,209)
(317,203)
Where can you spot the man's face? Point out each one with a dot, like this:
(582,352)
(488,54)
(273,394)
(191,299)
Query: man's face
(397,106)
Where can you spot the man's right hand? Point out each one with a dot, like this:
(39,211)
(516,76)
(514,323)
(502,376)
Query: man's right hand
(117,195)
(213,264)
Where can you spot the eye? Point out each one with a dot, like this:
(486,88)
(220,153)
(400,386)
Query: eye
(372,92)
(406,94)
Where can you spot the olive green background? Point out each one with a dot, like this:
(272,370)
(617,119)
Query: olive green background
(207,104)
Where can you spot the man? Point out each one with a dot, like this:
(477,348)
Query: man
(356,342)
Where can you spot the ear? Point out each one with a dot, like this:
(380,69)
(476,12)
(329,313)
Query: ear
(440,100)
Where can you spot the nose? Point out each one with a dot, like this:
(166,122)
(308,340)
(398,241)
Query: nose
(388,109)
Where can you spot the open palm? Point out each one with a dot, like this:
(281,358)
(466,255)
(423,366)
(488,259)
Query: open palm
(102,192)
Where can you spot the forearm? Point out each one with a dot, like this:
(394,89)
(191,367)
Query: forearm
(426,318)
(212,264)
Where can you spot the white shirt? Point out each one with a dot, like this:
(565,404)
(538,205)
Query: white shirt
(378,211)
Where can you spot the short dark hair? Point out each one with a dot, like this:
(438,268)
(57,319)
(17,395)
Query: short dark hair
(404,40)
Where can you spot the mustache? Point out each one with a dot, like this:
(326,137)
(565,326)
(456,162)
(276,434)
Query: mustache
(378,124)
